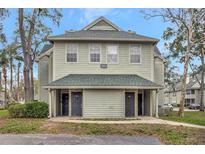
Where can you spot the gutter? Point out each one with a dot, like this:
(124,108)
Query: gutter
(102,39)
(47,53)
(102,87)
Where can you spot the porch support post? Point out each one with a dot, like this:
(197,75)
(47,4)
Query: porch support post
(151,101)
(143,102)
(54,103)
(69,102)
(136,103)
(156,103)
(49,102)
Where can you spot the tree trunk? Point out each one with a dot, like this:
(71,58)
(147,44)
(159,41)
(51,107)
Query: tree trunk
(26,51)
(0,81)
(18,80)
(186,64)
(183,88)
(11,75)
(32,82)
(27,77)
(5,86)
(202,85)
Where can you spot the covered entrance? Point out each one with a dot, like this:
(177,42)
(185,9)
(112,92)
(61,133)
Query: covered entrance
(67,103)
(102,96)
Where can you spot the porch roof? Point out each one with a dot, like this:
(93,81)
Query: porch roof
(103,81)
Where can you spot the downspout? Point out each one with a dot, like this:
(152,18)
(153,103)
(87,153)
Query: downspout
(156,104)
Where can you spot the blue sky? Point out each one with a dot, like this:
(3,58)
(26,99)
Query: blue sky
(78,18)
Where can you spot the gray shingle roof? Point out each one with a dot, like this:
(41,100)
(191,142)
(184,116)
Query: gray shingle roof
(46,47)
(189,86)
(102,35)
(103,80)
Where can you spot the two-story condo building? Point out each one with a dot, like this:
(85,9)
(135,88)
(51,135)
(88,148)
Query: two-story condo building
(101,71)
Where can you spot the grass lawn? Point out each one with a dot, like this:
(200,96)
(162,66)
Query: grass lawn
(4,113)
(194,117)
(166,133)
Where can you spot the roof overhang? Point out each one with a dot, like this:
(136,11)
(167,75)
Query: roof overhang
(47,53)
(102,81)
(161,58)
(102,39)
(104,87)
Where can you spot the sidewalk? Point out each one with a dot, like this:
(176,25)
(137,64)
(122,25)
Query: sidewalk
(140,120)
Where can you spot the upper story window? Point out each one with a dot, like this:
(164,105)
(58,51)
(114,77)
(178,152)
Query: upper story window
(95,53)
(72,53)
(135,54)
(189,92)
(112,54)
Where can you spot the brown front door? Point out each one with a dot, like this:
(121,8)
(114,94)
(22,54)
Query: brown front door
(76,99)
(129,104)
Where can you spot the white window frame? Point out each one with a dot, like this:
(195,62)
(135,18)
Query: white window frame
(66,52)
(117,54)
(140,47)
(90,53)
(189,92)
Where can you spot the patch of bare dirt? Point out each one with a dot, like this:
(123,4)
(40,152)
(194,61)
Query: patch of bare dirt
(2,121)
(198,137)
(49,127)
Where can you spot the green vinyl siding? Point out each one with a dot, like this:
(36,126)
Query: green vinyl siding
(43,78)
(159,78)
(102,26)
(103,104)
(63,68)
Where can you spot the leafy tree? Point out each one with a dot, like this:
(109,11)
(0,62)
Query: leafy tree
(180,38)
(30,26)
(198,52)
(171,75)
(12,55)
(3,15)
(4,61)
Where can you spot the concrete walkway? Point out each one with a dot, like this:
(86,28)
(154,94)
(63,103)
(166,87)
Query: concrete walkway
(140,120)
(63,139)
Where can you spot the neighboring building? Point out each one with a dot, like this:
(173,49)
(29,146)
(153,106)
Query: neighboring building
(101,71)
(192,93)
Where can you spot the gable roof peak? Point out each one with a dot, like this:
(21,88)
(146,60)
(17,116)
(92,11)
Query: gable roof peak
(102,18)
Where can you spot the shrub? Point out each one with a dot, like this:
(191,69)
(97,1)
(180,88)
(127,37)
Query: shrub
(36,109)
(17,111)
(33,109)
(11,103)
